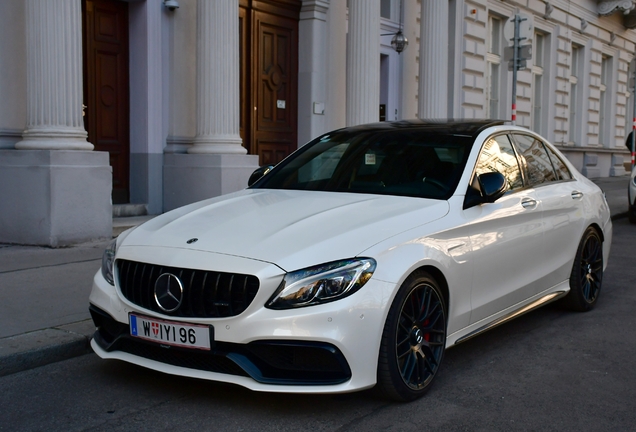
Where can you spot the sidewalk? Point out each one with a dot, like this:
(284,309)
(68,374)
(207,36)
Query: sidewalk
(44,293)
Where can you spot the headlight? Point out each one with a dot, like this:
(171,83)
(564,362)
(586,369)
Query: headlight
(322,284)
(108,259)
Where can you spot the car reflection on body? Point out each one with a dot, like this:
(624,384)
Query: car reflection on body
(356,261)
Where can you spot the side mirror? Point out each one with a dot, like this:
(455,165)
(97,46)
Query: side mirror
(485,188)
(493,185)
(258,174)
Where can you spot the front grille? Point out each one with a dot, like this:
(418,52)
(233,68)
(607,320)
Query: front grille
(206,294)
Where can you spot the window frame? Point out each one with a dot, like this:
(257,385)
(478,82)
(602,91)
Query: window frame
(548,150)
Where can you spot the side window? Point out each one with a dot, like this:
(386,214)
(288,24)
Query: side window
(497,155)
(537,161)
(562,172)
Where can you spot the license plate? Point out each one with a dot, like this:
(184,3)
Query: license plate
(170,332)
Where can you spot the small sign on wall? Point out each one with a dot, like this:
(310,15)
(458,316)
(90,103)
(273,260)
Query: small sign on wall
(280,104)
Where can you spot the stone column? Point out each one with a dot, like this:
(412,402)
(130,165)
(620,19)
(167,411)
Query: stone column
(363,62)
(54,77)
(218,97)
(217,163)
(433,80)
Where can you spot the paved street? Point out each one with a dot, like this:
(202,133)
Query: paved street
(548,370)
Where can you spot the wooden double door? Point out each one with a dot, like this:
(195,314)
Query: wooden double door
(268,83)
(269,77)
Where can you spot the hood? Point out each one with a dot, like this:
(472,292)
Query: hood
(291,229)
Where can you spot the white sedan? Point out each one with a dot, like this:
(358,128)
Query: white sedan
(356,261)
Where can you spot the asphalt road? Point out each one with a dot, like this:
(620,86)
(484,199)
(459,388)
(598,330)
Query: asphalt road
(548,370)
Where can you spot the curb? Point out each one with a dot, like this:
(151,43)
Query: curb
(41,347)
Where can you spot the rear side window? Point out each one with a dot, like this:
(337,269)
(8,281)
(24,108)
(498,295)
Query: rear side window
(562,172)
(538,165)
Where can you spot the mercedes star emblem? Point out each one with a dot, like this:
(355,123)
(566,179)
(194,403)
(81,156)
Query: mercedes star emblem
(168,292)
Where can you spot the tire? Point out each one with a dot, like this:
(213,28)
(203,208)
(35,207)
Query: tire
(631,209)
(413,339)
(586,278)
(631,214)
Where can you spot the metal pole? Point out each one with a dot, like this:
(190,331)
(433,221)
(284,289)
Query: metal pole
(515,57)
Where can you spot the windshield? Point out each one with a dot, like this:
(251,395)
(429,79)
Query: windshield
(417,163)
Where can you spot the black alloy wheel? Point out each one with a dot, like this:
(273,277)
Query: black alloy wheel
(413,340)
(586,278)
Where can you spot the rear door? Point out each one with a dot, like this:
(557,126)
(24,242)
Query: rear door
(561,201)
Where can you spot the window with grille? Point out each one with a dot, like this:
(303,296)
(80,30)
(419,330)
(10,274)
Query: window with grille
(493,59)
(575,70)
(537,81)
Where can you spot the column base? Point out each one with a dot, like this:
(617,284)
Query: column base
(221,144)
(54,139)
(54,198)
(189,178)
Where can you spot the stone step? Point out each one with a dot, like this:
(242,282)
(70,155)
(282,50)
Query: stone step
(129,210)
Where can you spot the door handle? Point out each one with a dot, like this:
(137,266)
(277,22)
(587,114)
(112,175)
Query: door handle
(528,203)
(577,195)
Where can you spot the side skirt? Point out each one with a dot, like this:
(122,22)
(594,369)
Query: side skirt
(514,314)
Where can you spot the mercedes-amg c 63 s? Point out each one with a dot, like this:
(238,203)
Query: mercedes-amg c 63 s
(356,261)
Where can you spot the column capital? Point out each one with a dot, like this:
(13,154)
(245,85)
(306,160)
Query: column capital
(314,9)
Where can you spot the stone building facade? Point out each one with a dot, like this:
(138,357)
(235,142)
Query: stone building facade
(142,104)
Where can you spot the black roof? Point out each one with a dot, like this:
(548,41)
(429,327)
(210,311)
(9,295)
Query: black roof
(471,127)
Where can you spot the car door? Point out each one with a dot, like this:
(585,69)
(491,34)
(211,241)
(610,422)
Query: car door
(563,221)
(506,236)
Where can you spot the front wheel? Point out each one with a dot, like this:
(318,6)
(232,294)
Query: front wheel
(587,273)
(413,339)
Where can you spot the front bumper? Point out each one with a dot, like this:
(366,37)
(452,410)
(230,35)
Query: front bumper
(328,348)
(278,362)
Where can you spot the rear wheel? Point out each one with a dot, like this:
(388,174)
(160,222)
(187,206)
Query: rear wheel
(413,339)
(587,273)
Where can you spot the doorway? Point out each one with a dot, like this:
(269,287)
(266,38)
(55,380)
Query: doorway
(269,78)
(106,86)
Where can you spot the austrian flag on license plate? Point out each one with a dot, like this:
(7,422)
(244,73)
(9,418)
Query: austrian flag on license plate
(170,332)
